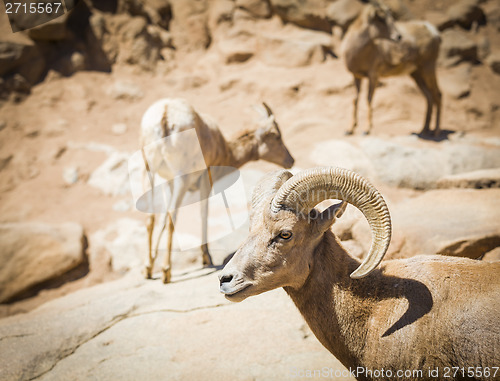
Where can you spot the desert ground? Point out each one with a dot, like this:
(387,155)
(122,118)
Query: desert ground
(74,305)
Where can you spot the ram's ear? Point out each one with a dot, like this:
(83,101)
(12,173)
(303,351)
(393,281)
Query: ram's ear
(265,189)
(325,219)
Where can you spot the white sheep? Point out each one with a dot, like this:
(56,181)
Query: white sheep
(419,314)
(376,46)
(172,133)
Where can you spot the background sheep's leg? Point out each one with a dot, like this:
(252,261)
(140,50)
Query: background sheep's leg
(372,84)
(436,97)
(428,96)
(205,187)
(357,85)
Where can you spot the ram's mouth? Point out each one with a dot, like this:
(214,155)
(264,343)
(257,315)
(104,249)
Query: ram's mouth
(235,294)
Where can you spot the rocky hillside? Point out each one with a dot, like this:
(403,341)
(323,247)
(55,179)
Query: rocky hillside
(72,244)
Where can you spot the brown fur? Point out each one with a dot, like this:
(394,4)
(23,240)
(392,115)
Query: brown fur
(375,46)
(424,312)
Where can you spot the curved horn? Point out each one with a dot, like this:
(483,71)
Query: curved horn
(305,190)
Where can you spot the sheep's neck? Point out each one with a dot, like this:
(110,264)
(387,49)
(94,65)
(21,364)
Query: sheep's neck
(359,50)
(329,304)
(242,150)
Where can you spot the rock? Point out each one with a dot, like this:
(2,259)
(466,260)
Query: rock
(492,256)
(258,8)
(125,241)
(77,61)
(122,206)
(343,12)
(19,55)
(343,154)
(493,62)
(299,48)
(70,175)
(189,25)
(405,161)
(464,13)
(238,48)
(457,47)
(112,177)
(125,90)
(54,30)
(32,253)
(456,81)
(440,222)
(221,12)
(119,128)
(492,11)
(308,14)
(443,221)
(158,12)
(135,329)
(485,178)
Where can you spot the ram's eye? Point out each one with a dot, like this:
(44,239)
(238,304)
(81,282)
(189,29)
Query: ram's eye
(286,235)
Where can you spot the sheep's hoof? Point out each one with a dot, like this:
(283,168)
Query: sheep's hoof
(207,260)
(166,275)
(147,271)
(366,133)
(348,133)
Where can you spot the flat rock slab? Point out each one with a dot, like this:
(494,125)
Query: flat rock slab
(132,329)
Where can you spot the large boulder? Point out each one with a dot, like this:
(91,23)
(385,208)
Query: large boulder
(457,46)
(484,178)
(493,62)
(189,25)
(342,13)
(258,8)
(309,14)
(20,55)
(293,48)
(32,253)
(454,222)
(464,13)
(406,161)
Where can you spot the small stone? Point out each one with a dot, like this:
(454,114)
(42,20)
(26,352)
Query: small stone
(121,206)
(119,128)
(70,175)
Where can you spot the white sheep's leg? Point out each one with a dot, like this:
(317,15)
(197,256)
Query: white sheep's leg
(357,85)
(206,258)
(167,267)
(178,190)
(150,221)
(371,91)
(148,266)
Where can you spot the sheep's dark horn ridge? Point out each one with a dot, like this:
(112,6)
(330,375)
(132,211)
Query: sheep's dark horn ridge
(304,191)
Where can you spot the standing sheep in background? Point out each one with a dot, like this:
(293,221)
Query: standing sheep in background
(376,46)
(172,159)
(423,313)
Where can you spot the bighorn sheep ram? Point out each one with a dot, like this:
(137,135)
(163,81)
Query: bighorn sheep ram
(172,158)
(377,46)
(419,314)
